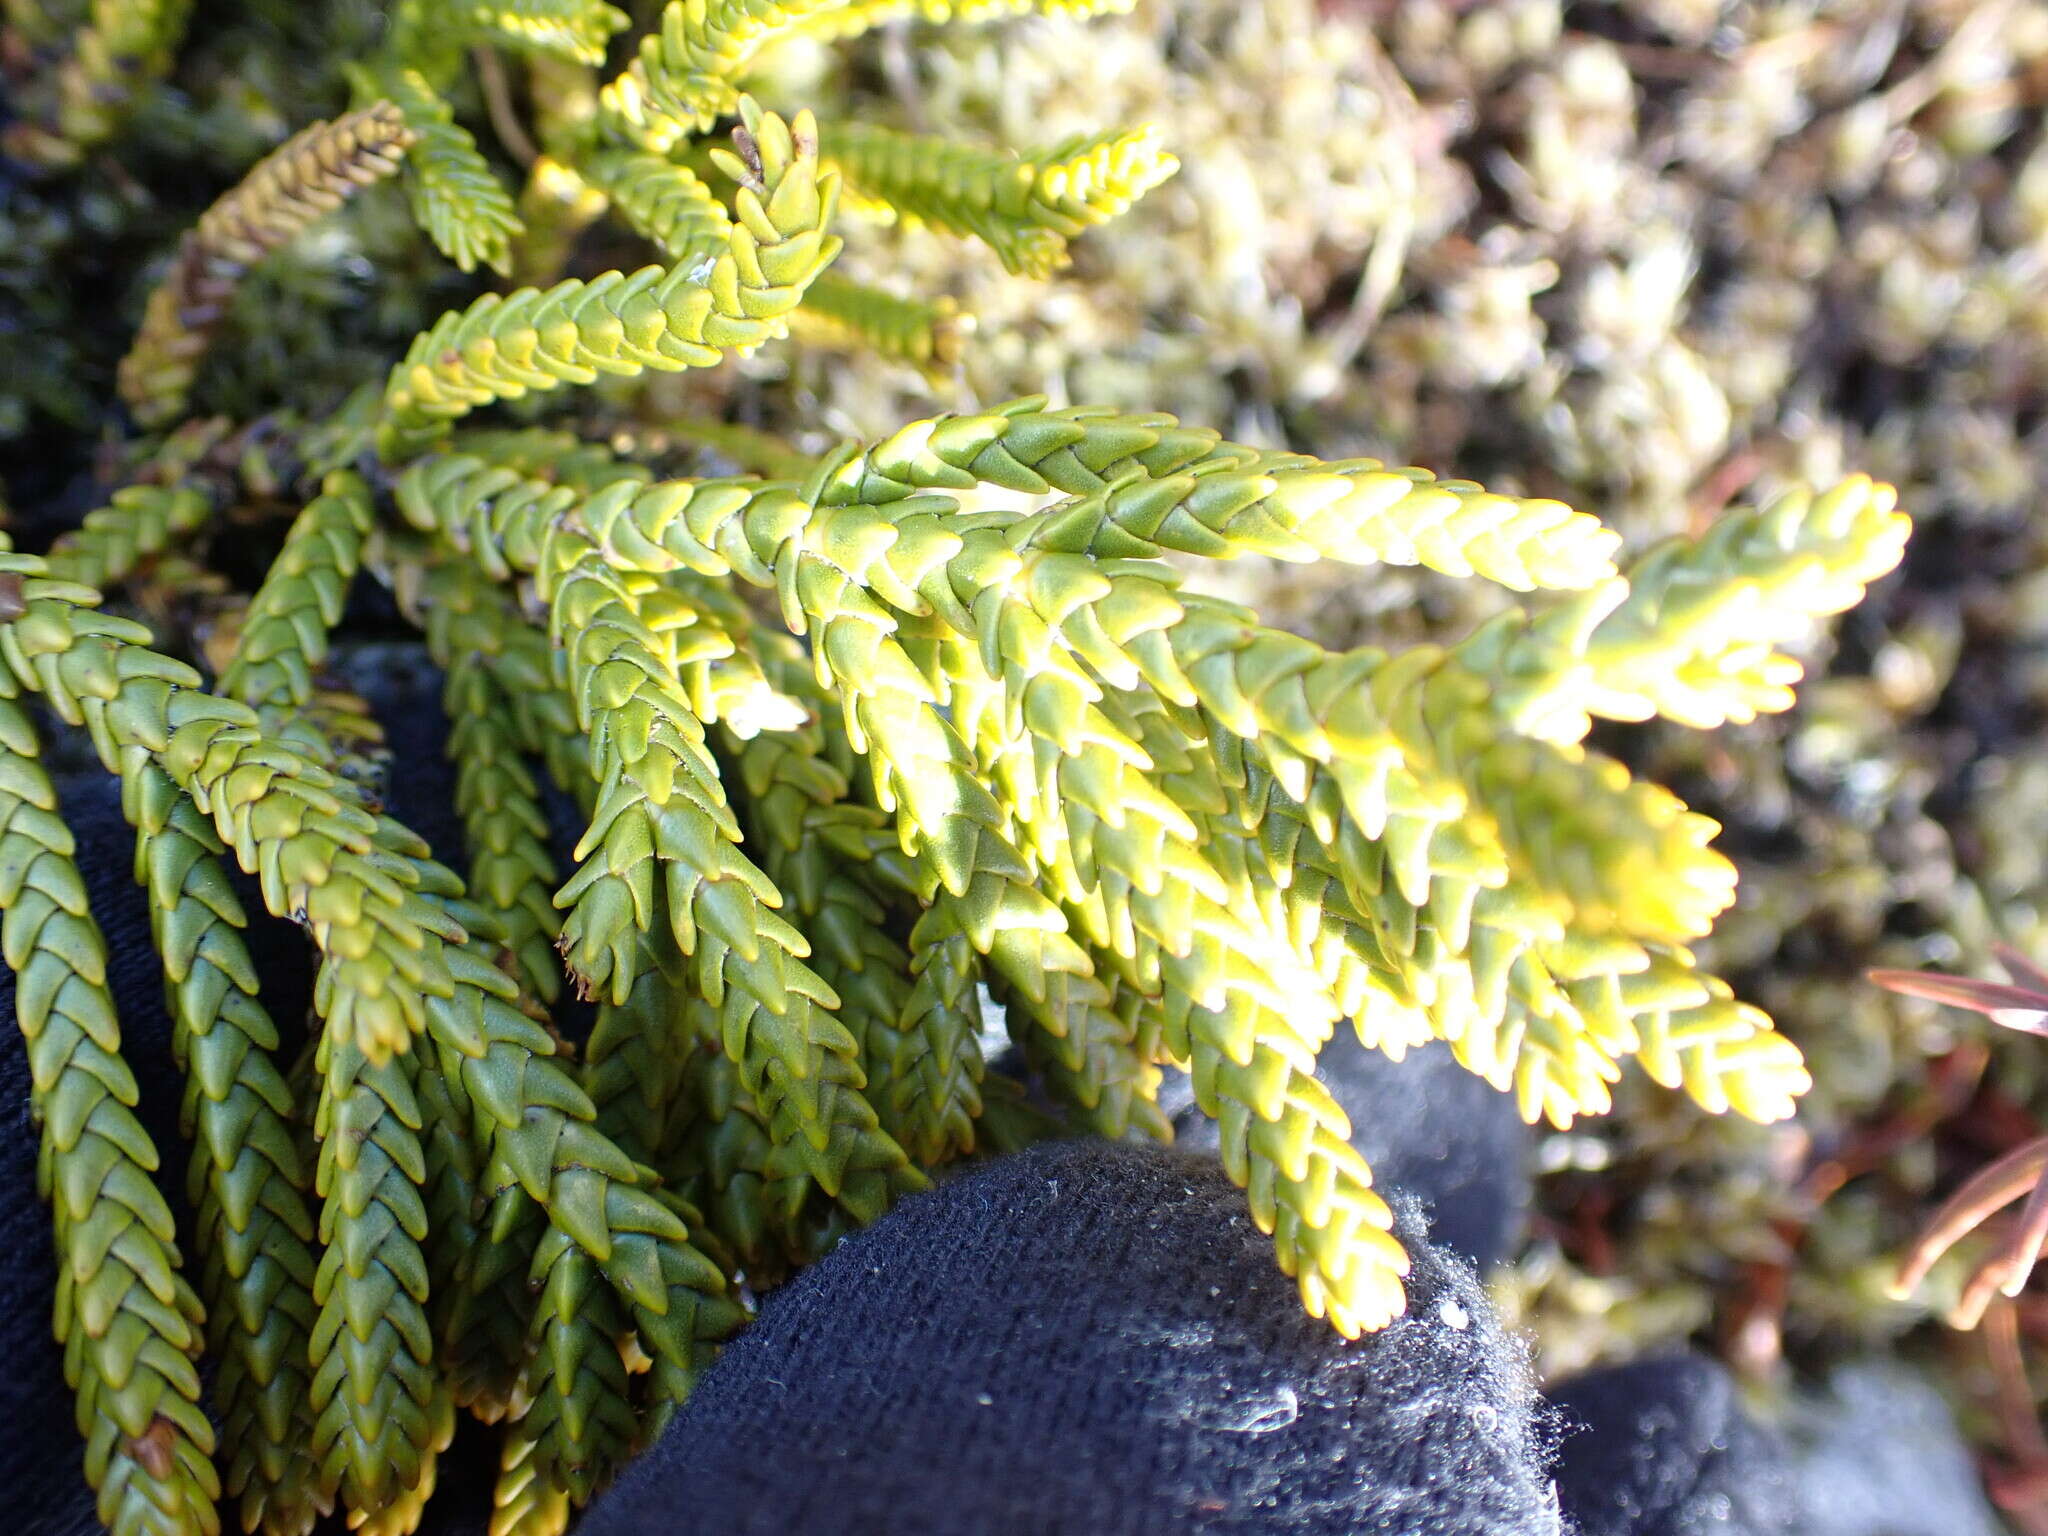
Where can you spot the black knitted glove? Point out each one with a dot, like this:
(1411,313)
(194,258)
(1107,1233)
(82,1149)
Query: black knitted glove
(1093,1338)
(1660,1447)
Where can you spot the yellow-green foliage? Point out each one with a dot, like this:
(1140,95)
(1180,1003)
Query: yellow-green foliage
(1025,207)
(455,195)
(307,177)
(661,319)
(121,49)
(577,30)
(927,333)
(666,202)
(131,1324)
(907,725)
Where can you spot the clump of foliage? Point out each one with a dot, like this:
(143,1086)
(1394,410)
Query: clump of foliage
(1645,256)
(859,744)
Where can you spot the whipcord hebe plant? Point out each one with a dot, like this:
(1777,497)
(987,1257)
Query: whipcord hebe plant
(926,722)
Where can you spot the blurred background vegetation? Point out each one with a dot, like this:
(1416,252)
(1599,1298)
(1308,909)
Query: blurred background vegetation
(1644,257)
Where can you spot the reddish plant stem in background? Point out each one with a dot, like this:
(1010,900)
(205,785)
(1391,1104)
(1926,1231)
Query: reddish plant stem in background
(1752,1328)
(2019,1488)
